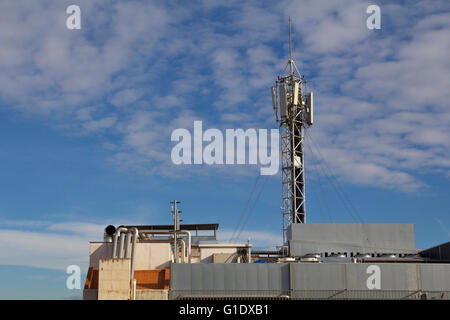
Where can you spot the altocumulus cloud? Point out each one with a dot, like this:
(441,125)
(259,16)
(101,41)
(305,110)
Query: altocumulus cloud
(116,75)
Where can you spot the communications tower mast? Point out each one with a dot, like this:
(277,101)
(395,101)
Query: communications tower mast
(294,112)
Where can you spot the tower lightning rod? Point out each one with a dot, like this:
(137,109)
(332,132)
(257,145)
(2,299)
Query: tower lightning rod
(290,49)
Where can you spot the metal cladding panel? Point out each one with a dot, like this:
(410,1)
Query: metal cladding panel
(435,277)
(314,276)
(207,277)
(440,252)
(219,278)
(229,277)
(241,279)
(393,276)
(388,238)
(310,280)
(180,275)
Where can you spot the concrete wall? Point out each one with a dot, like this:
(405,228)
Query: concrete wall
(380,238)
(114,279)
(149,256)
(206,254)
(147,294)
(207,251)
(224,258)
(158,255)
(97,251)
(152,256)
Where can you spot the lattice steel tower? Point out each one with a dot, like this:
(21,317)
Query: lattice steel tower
(294,112)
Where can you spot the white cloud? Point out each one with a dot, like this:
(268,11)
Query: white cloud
(47,68)
(381,102)
(170,100)
(55,247)
(96,125)
(125,97)
(329,26)
(43,250)
(79,228)
(388,88)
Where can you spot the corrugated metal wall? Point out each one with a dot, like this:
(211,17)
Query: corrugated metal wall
(229,279)
(309,280)
(380,238)
(440,252)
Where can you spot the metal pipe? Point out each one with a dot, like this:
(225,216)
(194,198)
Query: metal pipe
(133,250)
(175,218)
(116,236)
(127,245)
(183,249)
(187,233)
(121,242)
(189,244)
(133,291)
(119,237)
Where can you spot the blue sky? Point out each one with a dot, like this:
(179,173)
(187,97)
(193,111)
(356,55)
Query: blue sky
(86,117)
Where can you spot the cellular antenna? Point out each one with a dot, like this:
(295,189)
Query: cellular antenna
(294,113)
